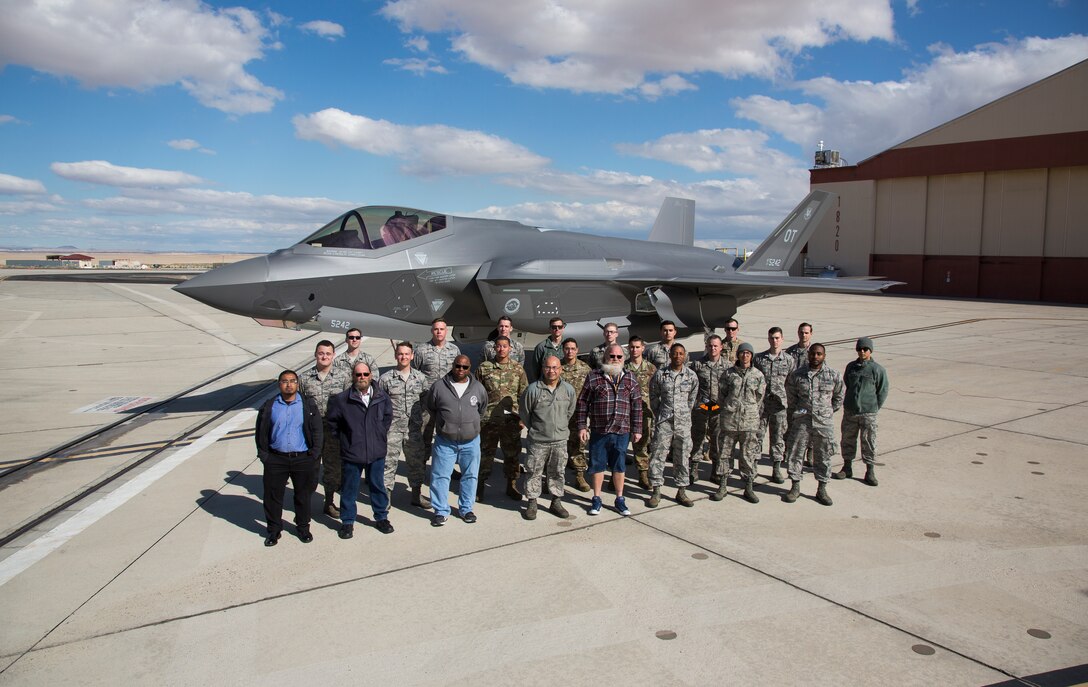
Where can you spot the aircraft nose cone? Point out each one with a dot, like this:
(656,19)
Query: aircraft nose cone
(238,288)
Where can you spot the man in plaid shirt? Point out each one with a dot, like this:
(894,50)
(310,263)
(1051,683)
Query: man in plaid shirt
(609,409)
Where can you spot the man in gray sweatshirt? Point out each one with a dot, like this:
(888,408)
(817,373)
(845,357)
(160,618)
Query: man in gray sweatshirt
(456,402)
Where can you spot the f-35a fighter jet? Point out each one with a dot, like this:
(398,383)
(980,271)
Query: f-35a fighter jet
(390,271)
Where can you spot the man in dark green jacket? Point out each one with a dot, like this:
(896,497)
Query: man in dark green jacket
(866,390)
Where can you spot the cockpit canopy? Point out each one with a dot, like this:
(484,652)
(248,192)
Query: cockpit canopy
(376,226)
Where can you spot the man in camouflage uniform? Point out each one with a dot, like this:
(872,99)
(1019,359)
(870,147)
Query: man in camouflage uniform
(318,383)
(504,327)
(546,409)
(434,359)
(405,386)
(704,417)
(674,390)
(731,341)
(813,394)
(643,370)
(574,372)
(597,355)
(866,390)
(799,351)
(549,346)
(354,354)
(505,382)
(658,353)
(776,365)
(741,401)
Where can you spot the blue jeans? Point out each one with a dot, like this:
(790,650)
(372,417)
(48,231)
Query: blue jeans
(607,452)
(444,453)
(349,490)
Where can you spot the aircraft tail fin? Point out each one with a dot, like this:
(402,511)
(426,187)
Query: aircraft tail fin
(675,222)
(782,247)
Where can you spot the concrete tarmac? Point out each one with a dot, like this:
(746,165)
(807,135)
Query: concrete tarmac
(966,566)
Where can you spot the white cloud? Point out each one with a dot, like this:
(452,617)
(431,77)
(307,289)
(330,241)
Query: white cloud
(418,43)
(108,174)
(189,144)
(416,65)
(325,29)
(629,47)
(12,185)
(736,151)
(861,118)
(8,119)
(424,150)
(143,44)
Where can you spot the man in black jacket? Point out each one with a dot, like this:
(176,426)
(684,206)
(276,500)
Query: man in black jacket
(360,419)
(289,436)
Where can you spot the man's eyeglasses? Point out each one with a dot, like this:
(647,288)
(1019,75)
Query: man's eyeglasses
(354,338)
(362,374)
(462,367)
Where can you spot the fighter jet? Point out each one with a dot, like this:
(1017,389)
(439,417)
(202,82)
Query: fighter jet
(390,271)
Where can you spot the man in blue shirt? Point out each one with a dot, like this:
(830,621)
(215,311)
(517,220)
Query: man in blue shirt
(289,437)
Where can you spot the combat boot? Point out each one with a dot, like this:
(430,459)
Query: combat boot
(821,495)
(330,509)
(580,482)
(749,494)
(512,489)
(557,509)
(720,494)
(530,510)
(794,492)
(418,499)
(870,476)
(714,476)
(846,473)
(682,498)
(644,479)
(655,498)
(776,474)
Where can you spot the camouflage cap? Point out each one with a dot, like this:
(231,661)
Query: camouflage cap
(864,342)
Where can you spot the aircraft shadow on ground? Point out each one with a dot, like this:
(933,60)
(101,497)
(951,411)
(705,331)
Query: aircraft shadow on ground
(220,399)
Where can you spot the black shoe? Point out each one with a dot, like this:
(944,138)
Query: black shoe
(346,532)
(272,539)
(438,520)
(304,536)
(469,517)
(385,527)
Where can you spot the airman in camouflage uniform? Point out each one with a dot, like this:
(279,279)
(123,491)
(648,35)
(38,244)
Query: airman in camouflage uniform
(504,327)
(318,383)
(741,401)
(550,346)
(597,355)
(799,351)
(574,372)
(658,353)
(352,354)
(505,382)
(776,365)
(644,371)
(434,359)
(704,417)
(405,387)
(674,390)
(814,394)
(731,341)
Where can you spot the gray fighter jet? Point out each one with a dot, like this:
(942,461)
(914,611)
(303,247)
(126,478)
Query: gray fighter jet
(390,271)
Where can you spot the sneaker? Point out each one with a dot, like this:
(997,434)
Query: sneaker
(595,508)
(621,506)
(438,520)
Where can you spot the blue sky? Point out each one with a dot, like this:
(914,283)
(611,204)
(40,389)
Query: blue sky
(153,125)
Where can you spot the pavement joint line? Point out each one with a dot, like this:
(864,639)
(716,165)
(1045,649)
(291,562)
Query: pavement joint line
(829,600)
(212,333)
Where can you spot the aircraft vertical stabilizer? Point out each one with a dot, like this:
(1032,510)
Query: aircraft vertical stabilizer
(782,247)
(675,222)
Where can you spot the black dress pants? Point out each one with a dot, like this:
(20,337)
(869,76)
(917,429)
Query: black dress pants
(302,471)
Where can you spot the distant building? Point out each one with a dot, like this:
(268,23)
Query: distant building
(993,204)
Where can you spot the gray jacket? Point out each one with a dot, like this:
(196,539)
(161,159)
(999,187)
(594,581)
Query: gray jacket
(457,419)
(546,413)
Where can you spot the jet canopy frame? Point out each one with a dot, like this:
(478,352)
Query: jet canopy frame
(376,226)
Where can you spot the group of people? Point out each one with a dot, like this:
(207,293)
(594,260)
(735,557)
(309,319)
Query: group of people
(345,421)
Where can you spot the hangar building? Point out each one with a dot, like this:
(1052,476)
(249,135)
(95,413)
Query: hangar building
(993,204)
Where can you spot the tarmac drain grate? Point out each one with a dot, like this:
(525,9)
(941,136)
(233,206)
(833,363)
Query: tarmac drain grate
(1036,472)
(665,634)
(1039,634)
(699,556)
(977,462)
(982,454)
(982,437)
(923,444)
(933,535)
(1033,462)
(923,649)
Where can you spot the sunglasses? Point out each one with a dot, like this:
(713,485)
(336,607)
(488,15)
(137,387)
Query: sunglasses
(462,367)
(354,338)
(615,357)
(362,374)
(732,329)
(558,326)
